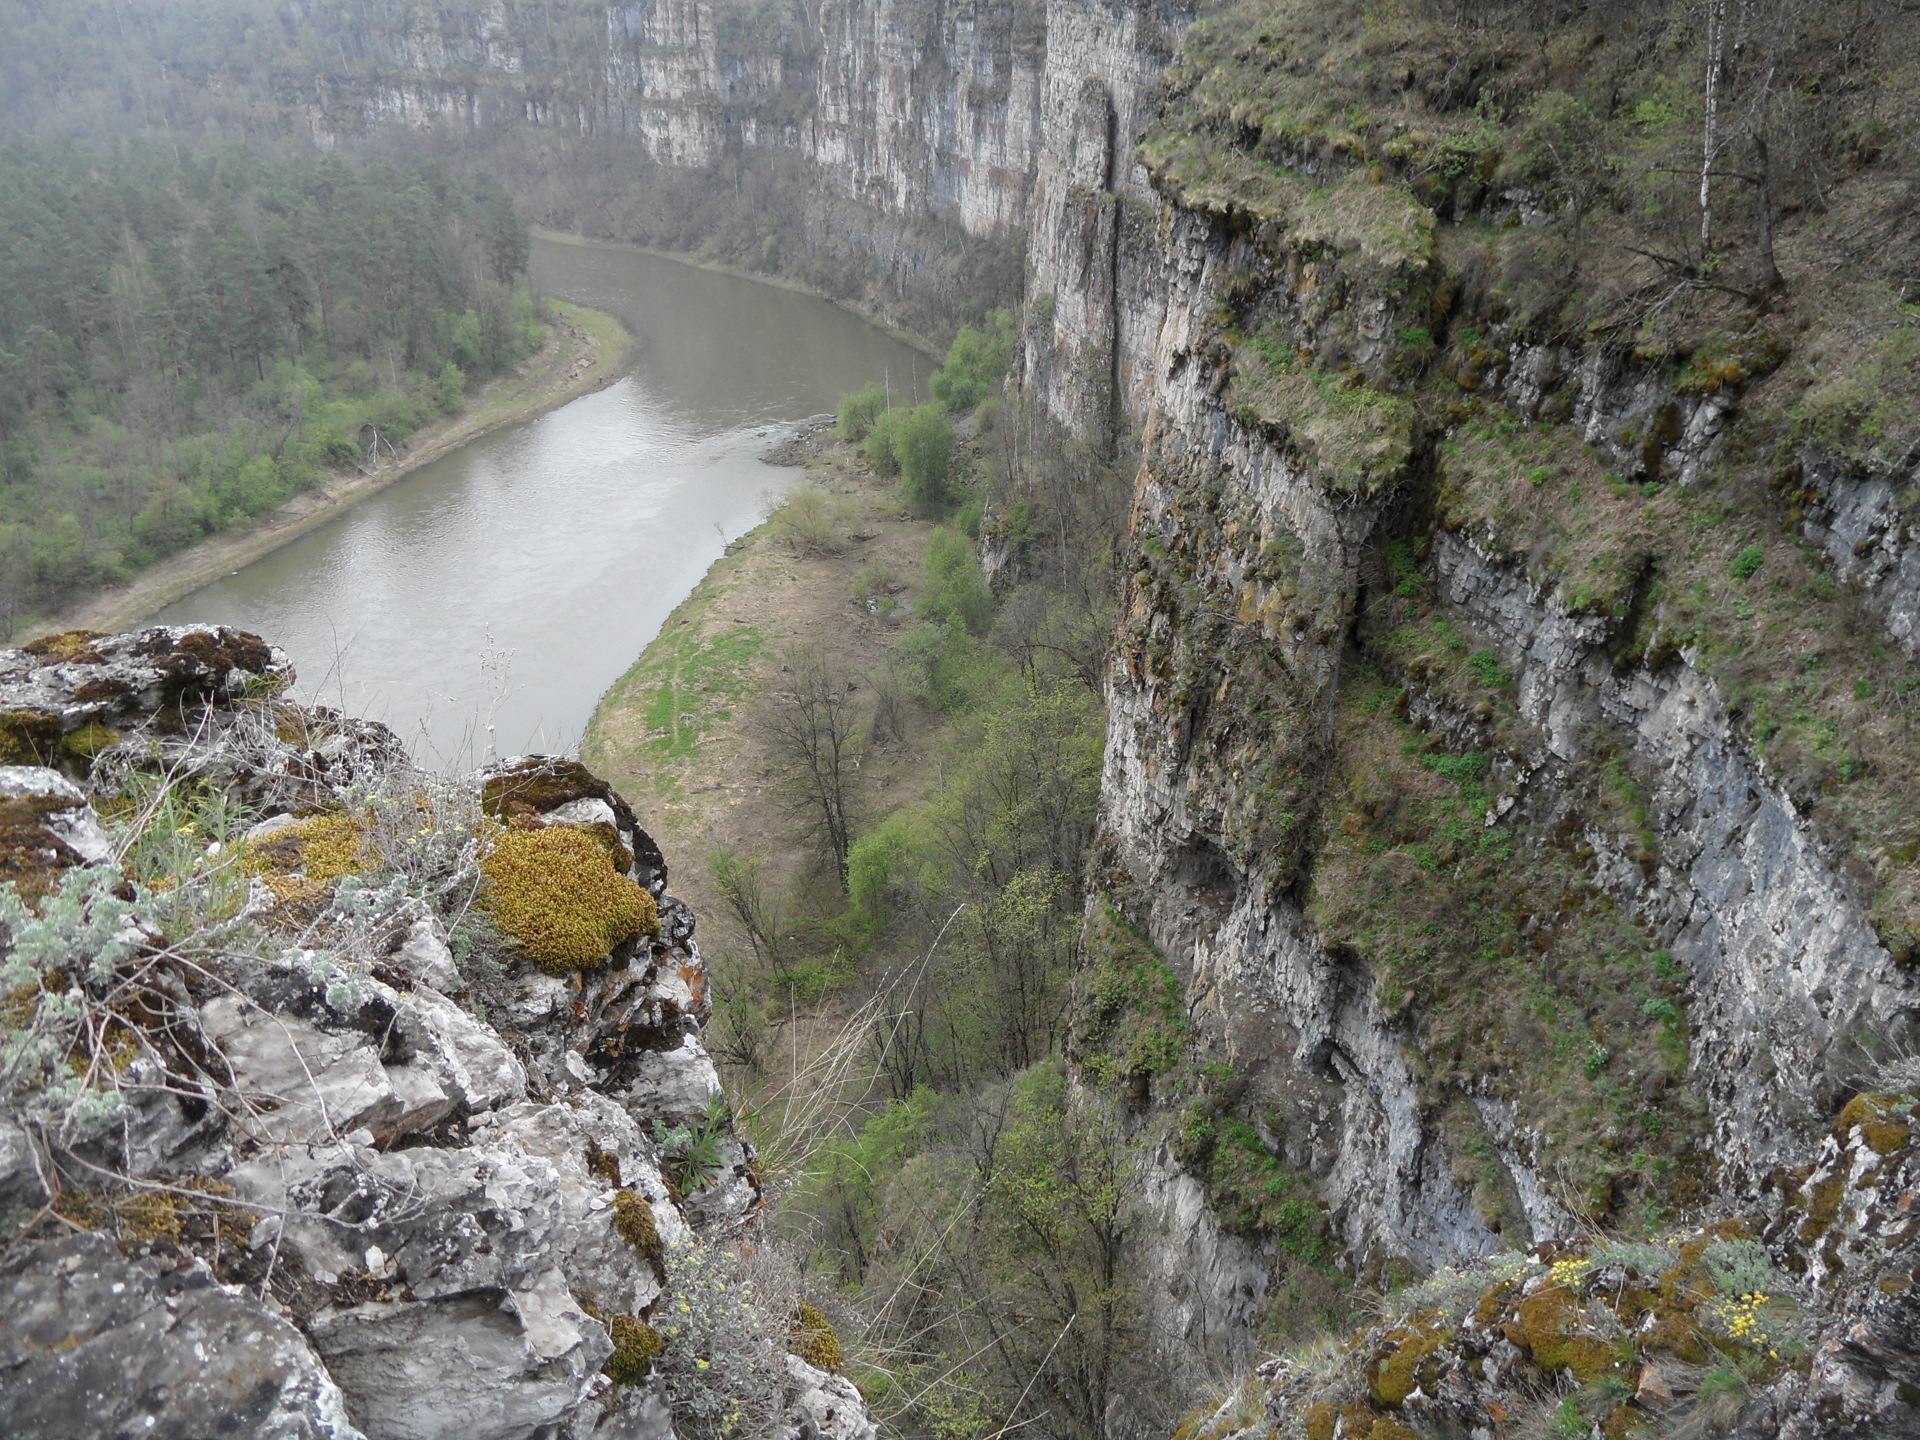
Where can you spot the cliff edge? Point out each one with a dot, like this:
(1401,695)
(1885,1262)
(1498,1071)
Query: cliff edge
(344,1099)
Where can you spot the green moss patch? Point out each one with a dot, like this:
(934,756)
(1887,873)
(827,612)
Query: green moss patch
(68,647)
(1128,1020)
(814,1340)
(633,1221)
(1353,437)
(554,890)
(302,862)
(635,1346)
(1403,1359)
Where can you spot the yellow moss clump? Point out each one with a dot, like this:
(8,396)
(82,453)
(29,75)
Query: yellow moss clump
(303,861)
(1397,1367)
(68,645)
(635,1344)
(815,1342)
(151,1216)
(1882,1125)
(1549,1325)
(554,890)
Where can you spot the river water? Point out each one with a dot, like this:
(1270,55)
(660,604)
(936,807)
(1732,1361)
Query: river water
(487,600)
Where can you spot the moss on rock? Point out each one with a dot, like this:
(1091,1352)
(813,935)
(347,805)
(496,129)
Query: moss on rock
(1552,1327)
(1402,1363)
(302,862)
(635,1344)
(69,646)
(815,1341)
(555,891)
(633,1221)
(1884,1122)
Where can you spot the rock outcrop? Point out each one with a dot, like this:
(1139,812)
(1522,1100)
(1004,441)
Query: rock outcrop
(1797,1319)
(323,1173)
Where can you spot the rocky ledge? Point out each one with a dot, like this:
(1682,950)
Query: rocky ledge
(1796,1316)
(343,1099)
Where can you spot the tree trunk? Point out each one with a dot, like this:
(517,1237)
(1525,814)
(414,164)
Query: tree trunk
(1770,277)
(1710,141)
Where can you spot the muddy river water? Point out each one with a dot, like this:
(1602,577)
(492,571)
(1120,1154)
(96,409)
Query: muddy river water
(488,599)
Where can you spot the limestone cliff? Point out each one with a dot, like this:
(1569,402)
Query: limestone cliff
(1447,758)
(343,1099)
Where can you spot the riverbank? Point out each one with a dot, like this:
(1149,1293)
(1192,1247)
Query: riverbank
(585,350)
(677,734)
(884,323)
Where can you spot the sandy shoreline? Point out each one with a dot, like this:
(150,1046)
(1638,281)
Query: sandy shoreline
(585,351)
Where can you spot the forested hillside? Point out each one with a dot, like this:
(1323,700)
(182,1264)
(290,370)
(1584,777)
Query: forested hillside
(186,340)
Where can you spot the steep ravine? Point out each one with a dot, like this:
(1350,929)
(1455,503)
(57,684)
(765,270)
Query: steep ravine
(1509,718)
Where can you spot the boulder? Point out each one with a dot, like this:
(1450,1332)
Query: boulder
(46,828)
(825,1406)
(64,698)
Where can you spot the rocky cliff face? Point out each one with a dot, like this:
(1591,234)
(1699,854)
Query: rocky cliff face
(1483,859)
(908,126)
(298,1142)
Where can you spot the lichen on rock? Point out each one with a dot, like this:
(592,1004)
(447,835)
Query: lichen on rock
(334,1200)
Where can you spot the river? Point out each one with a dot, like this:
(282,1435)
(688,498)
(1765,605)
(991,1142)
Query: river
(488,599)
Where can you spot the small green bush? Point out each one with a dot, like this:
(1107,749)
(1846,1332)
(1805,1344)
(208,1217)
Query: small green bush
(873,589)
(882,443)
(924,440)
(976,362)
(449,388)
(809,521)
(1747,561)
(954,589)
(859,411)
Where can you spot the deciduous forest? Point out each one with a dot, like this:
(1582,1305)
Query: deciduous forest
(186,339)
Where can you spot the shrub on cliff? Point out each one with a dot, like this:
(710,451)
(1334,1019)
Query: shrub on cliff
(859,411)
(720,1360)
(954,591)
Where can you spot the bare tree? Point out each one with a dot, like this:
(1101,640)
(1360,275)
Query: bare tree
(811,721)
(1710,140)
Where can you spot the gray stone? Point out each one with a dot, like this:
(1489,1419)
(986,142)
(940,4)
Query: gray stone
(301,1085)
(479,1365)
(93,1345)
(425,958)
(825,1406)
(46,827)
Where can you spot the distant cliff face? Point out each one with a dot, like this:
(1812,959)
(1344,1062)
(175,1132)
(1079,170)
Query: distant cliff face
(921,128)
(920,112)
